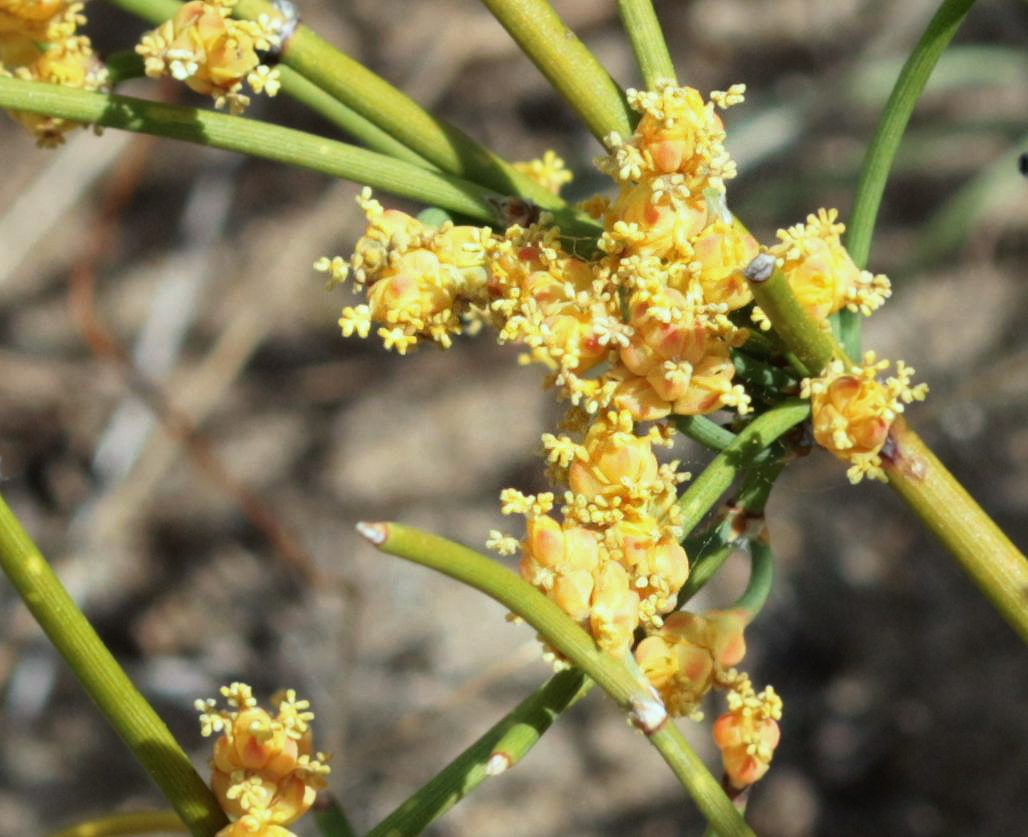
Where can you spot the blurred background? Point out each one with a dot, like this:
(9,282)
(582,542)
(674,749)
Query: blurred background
(190,441)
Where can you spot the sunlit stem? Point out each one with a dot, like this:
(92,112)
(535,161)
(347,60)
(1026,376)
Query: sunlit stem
(568,65)
(499,749)
(882,151)
(648,44)
(626,686)
(105,681)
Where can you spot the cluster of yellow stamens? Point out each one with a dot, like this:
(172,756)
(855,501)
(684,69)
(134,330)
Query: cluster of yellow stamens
(263,772)
(203,46)
(39,40)
(852,410)
(821,272)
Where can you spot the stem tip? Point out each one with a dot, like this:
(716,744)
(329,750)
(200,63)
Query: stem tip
(374,532)
(761,268)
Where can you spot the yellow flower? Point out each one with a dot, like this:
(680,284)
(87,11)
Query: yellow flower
(720,253)
(549,171)
(683,360)
(262,769)
(212,52)
(613,463)
(747,735)
(650,221)
(821,272)
(852,411)
(560,560)
(70,63)
(690,654)
(656,563)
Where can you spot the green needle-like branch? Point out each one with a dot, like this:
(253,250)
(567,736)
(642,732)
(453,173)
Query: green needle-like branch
(105,681)
(708,433)
(128,64)
(648,44)
(717,477)
(942,504)
(273,142)
(880,153)
(628,688)
(373,99)
(500,748)
(812,345)
(568,65)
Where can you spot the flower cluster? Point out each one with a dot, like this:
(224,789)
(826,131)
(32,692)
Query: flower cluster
(821,272)
(262,770)
(642,332)
(39,40)
(852,411)
(203,46)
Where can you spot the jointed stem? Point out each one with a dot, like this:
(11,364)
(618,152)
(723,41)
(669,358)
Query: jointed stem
(132,717)
(503,746)
(626,687)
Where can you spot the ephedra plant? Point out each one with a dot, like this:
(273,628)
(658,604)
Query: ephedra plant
(650,311)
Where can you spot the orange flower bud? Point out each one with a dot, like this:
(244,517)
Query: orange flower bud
(747,735)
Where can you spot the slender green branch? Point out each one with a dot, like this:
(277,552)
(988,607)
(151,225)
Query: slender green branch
(758,588)
(567,64)
(648,44)
(701,429)
(273,142)
(147,822)
(880,153)
(330,817)
(499,749)
(705,490)
(105,681)
(373,99)
(813,345)
(628,689)
(710,551)
(361,129)
(942,504)
(706,560)
(293,84)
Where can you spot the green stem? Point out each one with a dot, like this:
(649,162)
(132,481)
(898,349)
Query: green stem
(330,817)
(628,689)
(499,749)
(148,822)
(361,129)
(813,345)
(568,65)
(132,717)
(948,511)
(704,491)
(701,429)
(648,44)
(758,588)
(272,142)
(293,84)
(375,100)
(880,153)
(709,553)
